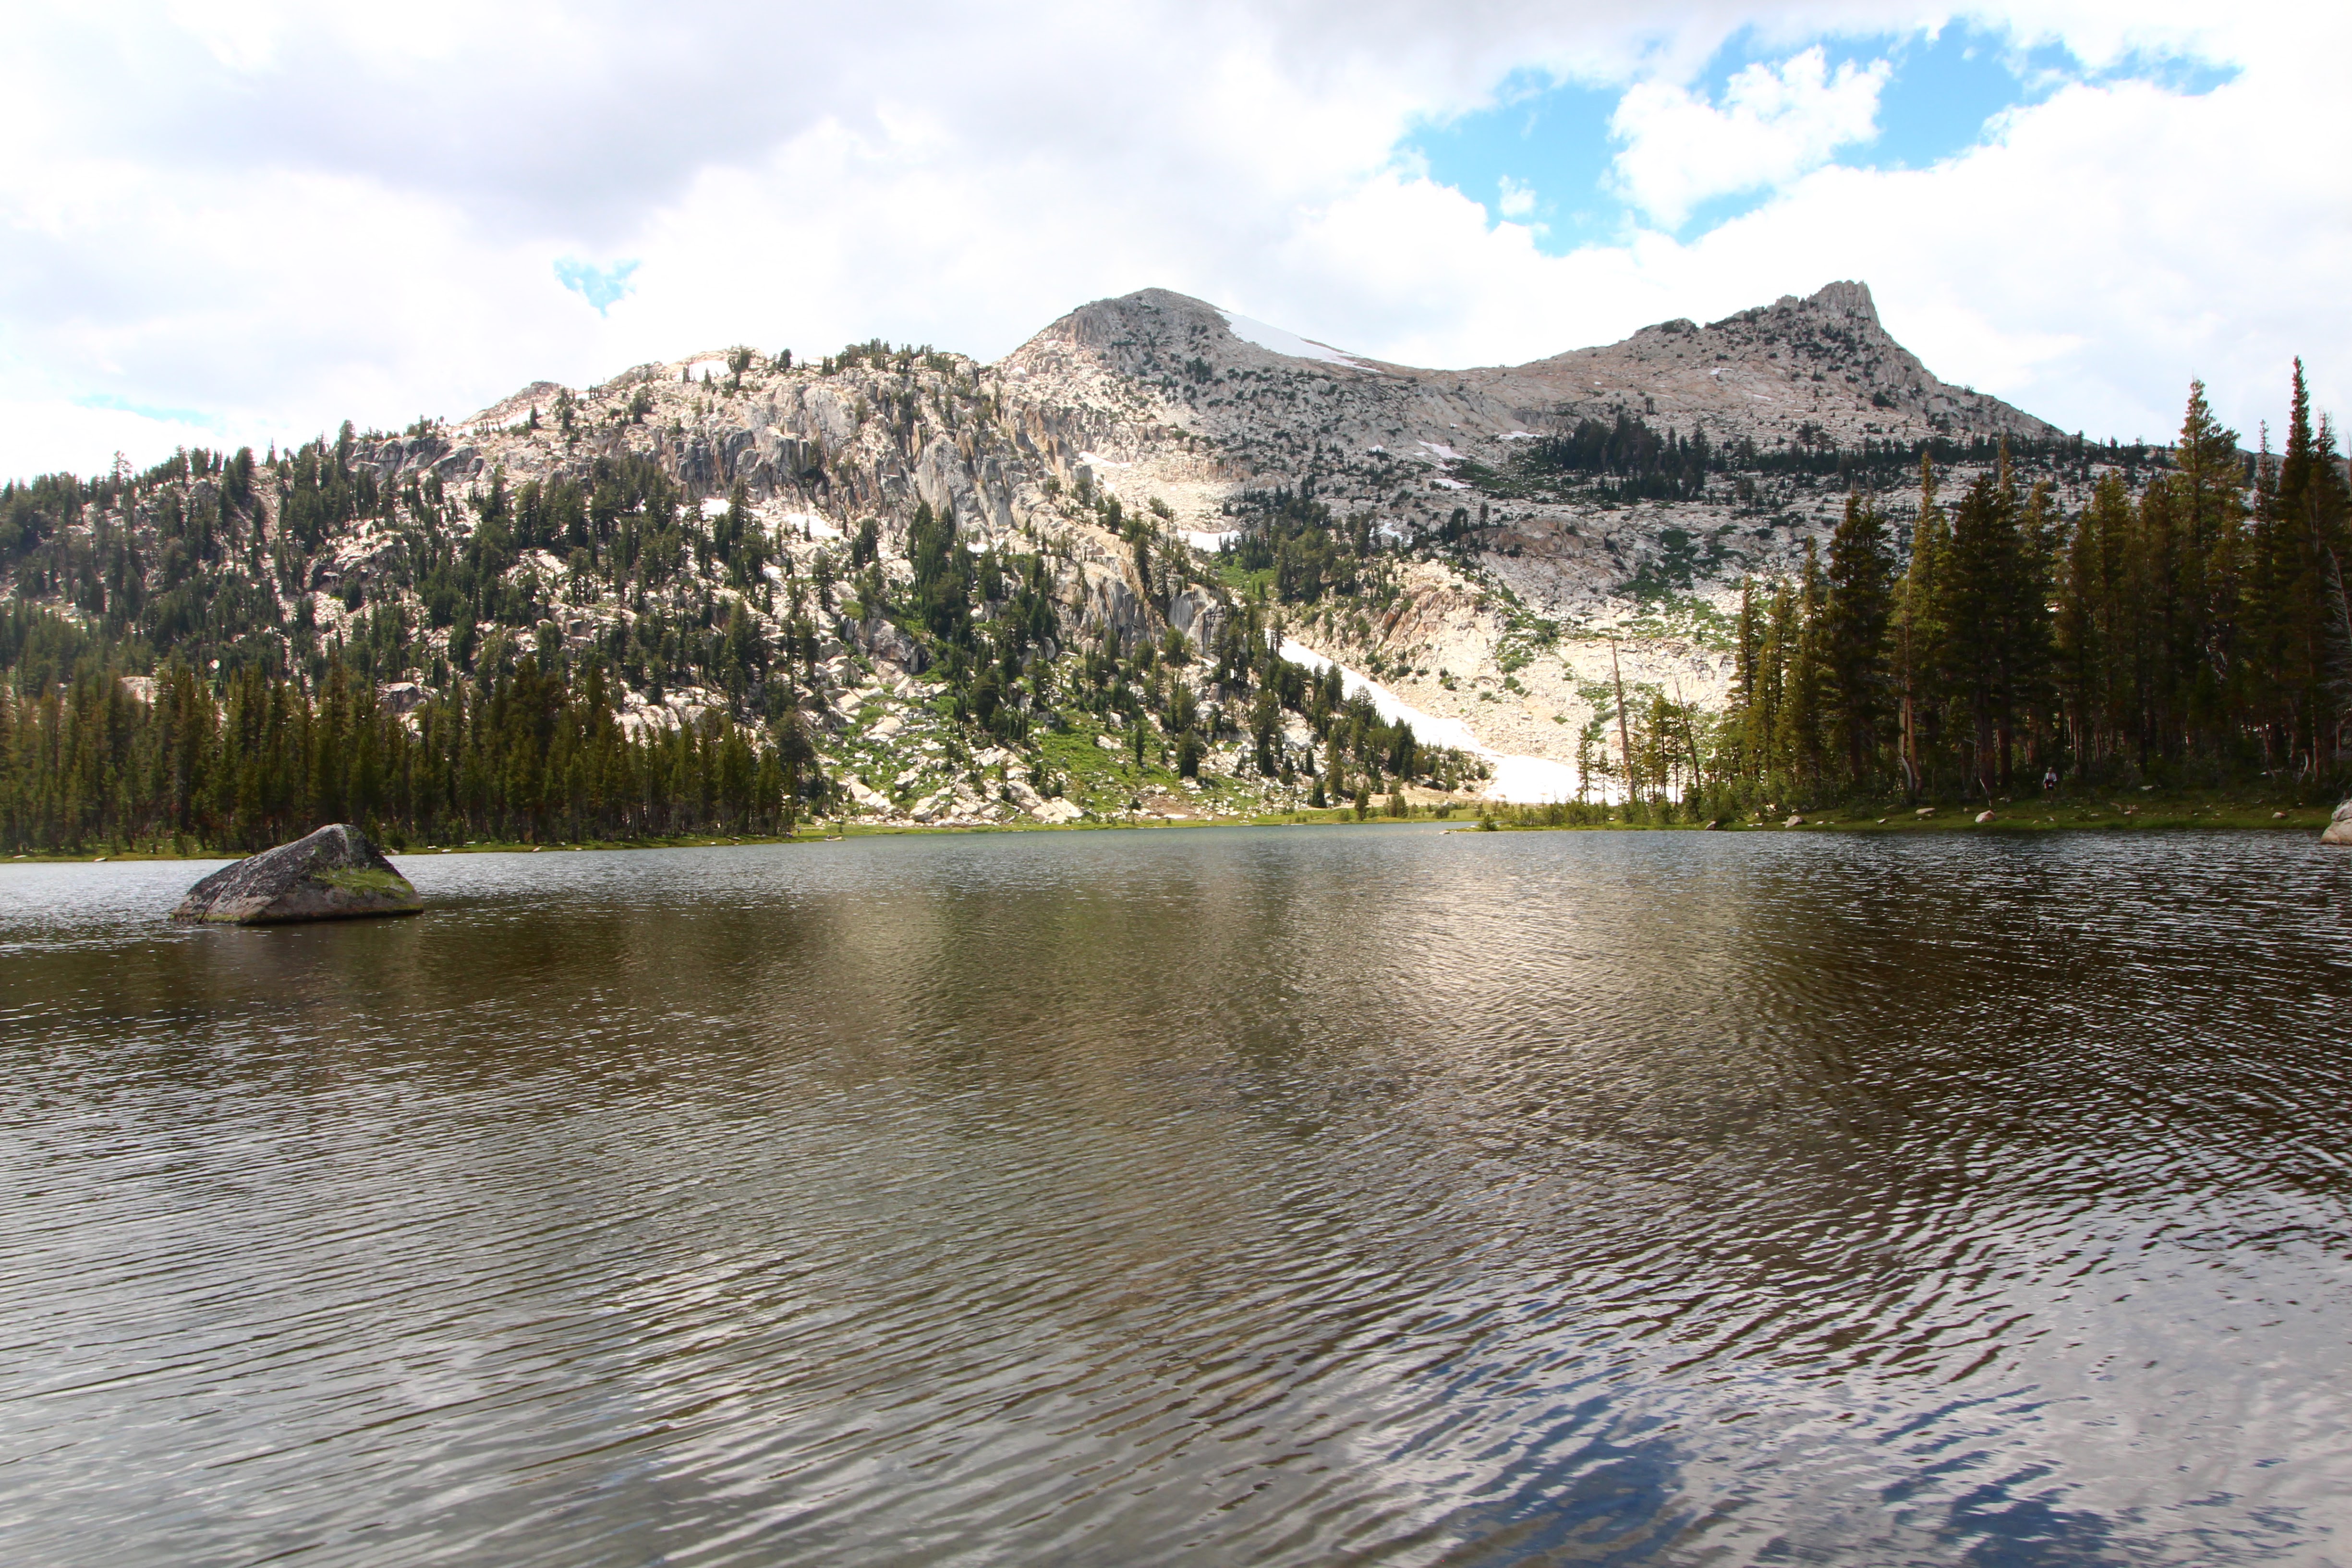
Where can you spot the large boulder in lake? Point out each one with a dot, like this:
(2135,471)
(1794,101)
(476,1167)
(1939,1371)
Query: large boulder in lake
(2339,826)
(333,875)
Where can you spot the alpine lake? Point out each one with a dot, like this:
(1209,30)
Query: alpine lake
(1349,1195)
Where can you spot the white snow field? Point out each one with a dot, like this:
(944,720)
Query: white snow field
(1517,781)
(1273,340)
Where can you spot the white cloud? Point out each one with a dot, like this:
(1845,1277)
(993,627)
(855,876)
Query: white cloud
(1776,123)
(1518,201)
(93,435)
(280,217)
(2113,242)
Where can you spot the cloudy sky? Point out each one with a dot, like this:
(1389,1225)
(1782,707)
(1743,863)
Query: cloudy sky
(231,221)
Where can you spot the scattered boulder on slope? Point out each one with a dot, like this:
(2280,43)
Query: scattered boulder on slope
(335,874)
(2339,826)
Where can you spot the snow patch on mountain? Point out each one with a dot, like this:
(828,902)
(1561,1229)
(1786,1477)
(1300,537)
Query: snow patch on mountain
(1516,781)
(1427,728)
(1539,780)
(1273,340)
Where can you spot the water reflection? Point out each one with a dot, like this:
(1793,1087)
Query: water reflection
(1209,1196)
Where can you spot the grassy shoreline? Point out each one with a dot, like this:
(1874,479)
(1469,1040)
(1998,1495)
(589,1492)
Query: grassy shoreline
(2104,814)
(2107,813)
(826,833)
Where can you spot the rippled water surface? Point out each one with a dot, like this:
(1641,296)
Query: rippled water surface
(1306,1195)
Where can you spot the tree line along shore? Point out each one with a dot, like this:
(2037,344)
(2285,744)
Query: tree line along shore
(2193,639)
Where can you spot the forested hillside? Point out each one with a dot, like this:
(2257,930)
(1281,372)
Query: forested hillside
(728,593)
(225,650)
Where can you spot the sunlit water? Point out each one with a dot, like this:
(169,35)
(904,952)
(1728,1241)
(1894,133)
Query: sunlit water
(1308,1196)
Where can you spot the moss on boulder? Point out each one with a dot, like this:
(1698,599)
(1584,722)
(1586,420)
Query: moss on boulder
(335,874)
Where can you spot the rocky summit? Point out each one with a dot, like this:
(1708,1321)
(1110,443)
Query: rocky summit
(333,874)
(968,590)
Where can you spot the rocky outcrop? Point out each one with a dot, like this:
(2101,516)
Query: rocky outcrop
(335,874)
(871,800)
(2339,826)
(1197,614)
(889,643)
(1110,605)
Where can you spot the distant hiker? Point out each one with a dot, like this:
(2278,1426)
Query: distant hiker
(2050,782)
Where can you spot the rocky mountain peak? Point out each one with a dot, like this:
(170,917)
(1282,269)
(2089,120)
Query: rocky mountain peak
(1845,298)
(1205,399)
(1154,315)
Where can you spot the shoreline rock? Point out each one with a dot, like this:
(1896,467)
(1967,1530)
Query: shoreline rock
(2339,826)
(334,874)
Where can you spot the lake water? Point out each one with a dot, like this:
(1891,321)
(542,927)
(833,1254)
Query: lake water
(1225,1197)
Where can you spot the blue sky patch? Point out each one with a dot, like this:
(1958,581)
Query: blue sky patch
(1545,154)
(109,400)
(1549,140)
(1947,88)
(603,287)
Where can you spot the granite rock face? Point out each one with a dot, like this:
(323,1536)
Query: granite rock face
(2339,826)
(335,874)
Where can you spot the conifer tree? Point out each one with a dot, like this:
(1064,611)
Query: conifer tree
(2295,541)
(1918,655)
(1768,722)
(2091,629)
(1860,608)
(1990,608)
(2207,525)
(1805,704)
(1738,757)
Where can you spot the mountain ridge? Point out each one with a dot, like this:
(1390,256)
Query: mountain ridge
(1840,316)
(1158,477)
